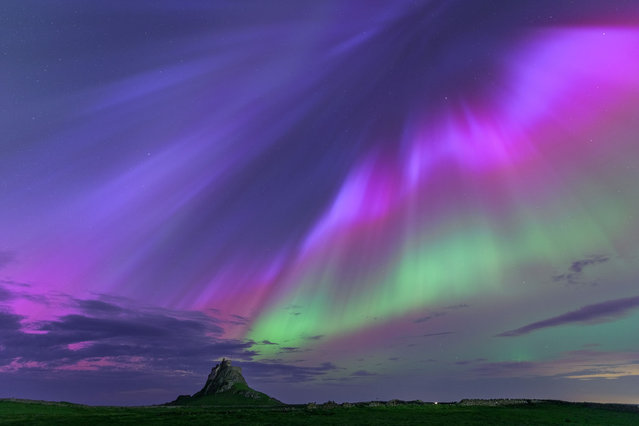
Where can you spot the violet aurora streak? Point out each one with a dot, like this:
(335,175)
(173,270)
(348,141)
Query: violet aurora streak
(351,199)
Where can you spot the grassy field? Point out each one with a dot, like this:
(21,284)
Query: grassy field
(16,412)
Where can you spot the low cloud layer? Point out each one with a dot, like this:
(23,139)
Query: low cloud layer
(99,334)
(575,272)
(580,364)
(100,339)
(598,312)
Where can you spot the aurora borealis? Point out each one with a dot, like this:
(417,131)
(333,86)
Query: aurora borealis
(351,199)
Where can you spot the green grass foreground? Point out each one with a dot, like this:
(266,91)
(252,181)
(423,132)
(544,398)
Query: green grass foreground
(17,412)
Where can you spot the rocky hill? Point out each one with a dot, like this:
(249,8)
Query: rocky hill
(225,385)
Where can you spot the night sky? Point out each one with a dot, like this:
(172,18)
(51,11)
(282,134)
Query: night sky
(352,200)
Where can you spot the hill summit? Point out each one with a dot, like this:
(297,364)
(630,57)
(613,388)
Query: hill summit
(223,378)
(225,385)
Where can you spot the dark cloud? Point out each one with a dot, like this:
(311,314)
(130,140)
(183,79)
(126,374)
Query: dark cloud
(240,319)
(578,364)
(160,347)
(110,336)
(105,337)
(575,272)
(285,373)
(5,294)
(95,306)
(317,337)
(145,326)
(599,312)
(429,317)
(470,361)
(579,265)
(9,322)
(363,373)
(15,283)
(441,333)
(10,290)
(460,306)
(292,306)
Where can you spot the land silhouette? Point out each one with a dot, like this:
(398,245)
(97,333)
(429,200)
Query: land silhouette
(226,398)
(226,386)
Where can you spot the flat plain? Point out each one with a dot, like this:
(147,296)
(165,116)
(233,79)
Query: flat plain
(21,412)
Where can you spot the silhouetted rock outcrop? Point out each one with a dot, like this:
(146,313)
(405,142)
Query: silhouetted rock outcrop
(225,385)
(223,378)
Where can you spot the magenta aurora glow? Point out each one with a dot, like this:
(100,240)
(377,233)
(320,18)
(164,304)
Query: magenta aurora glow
(352,200)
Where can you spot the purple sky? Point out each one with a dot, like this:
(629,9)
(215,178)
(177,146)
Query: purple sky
(350,199)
